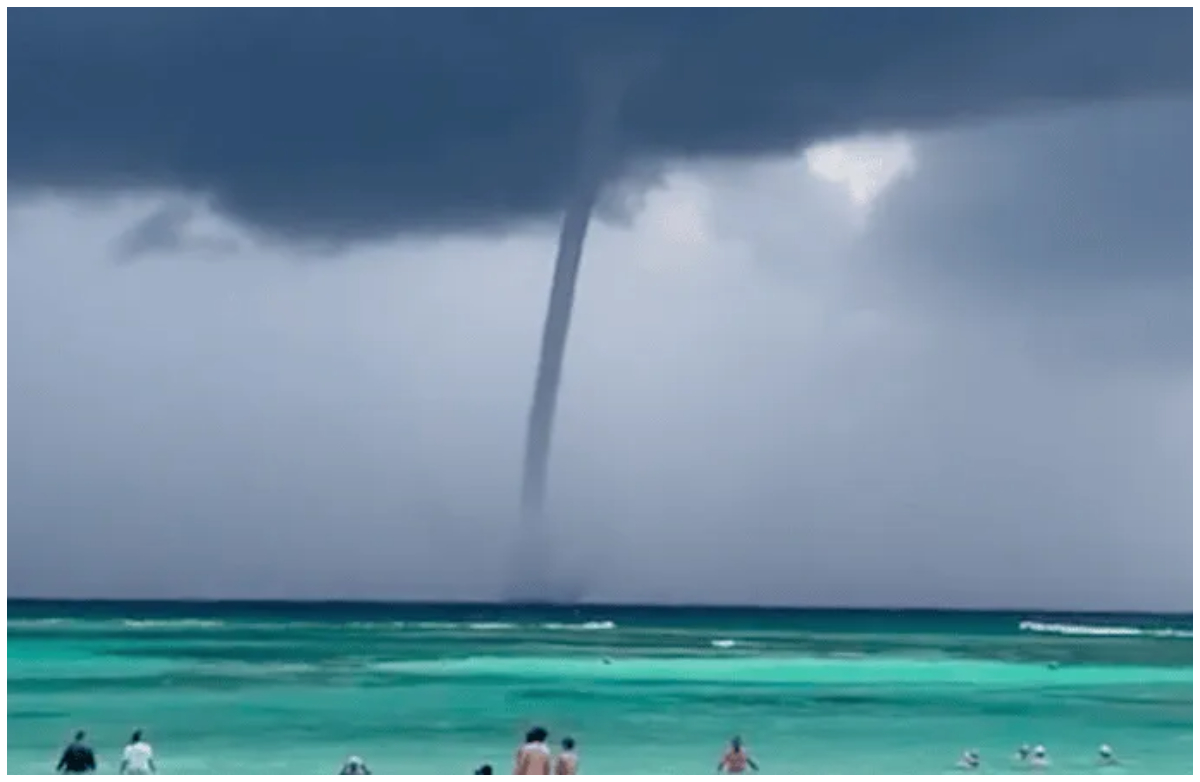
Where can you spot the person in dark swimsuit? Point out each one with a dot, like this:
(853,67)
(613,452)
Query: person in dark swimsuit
(77,758)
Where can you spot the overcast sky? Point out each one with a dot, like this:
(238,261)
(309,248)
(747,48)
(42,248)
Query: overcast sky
(905,358)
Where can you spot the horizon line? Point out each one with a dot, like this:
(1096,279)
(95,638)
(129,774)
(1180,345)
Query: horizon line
(588,605)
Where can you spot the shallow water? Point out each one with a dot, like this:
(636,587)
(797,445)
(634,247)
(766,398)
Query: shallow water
(433,689)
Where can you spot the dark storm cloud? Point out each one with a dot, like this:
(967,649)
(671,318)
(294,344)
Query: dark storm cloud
(1077,220)
(322,124)
(1111,200)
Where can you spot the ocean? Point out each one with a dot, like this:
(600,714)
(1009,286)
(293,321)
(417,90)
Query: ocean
(434,689)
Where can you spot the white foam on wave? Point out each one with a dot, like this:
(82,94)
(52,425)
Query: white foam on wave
(584,626)
(494,626)
(259,669)
(367,625)
(47,622)
(1116,631)
(724,643)
(148,624)
(168,623)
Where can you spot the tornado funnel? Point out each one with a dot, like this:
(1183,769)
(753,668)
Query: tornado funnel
(531,577)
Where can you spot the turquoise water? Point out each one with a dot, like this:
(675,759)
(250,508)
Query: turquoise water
(293,688)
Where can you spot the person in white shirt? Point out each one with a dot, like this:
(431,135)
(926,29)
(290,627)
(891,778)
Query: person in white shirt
(138,757)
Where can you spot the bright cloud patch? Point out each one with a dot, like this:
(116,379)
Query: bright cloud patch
(865,166)
(674,228)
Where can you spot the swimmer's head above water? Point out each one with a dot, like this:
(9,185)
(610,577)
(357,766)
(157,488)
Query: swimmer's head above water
(355,766)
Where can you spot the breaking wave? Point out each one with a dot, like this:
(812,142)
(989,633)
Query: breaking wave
(172,623)
(1117,631)
(211,624)
(602,625)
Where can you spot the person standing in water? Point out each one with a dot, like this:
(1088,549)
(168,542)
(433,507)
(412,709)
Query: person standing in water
(77,758)
(567,761)
(354,765)
(533,757)
(736,759)
(138,757)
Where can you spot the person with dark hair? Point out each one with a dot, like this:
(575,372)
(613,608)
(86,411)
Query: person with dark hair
(138,757)
(486,768)
(533,757)
(736,759)
(78,757)
(567,761)
(354,765)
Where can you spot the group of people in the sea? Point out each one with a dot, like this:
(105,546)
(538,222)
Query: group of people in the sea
(534,756)
(1034,757)
(136,758)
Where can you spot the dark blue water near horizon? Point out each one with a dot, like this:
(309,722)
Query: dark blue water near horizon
(820,619)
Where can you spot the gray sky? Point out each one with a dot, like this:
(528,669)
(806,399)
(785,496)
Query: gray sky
(948,368)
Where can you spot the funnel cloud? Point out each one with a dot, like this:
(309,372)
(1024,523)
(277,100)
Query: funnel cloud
(604,94)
